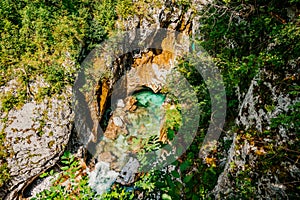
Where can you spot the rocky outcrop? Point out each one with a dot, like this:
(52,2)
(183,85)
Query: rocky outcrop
(145,57)
(156,38)
(254,160)
(36,135)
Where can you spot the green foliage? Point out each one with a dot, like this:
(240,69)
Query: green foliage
(243,37)
(125,8)
(45,39)
(71,183)
(8,102)
(118,193)
(244,187)
(103,15)
(270,155)
(142,7)
(150,144)
(181,183)
(173,118)
(271,161)
(4,172)
(188,70)
(290,121)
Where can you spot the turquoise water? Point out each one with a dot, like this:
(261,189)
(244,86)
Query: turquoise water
(150,99)
(146,119)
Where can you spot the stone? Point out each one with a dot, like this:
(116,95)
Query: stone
(120,103)
(112,130)
(127,175)
(102,177)
(107,157)
(130,104)
(36,136)
(118,121)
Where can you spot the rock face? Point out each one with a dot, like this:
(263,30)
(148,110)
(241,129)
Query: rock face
(146,57)
(144,61)
(250,155)
(110,79)
(36,135)
(254,110)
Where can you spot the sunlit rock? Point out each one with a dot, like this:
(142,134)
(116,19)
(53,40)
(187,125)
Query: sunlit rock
(101,178)
(36,135)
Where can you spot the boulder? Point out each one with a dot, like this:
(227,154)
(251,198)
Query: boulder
(36,136)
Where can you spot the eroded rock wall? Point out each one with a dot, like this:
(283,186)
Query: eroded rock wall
(147,55)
